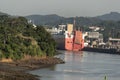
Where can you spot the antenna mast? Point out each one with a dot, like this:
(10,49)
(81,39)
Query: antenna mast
(74,26)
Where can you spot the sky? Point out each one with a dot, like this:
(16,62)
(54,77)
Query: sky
(65,8)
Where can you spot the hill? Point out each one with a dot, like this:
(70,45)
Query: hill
(55,19)
(19,39)
(44,19)
(114,16)
(1,13)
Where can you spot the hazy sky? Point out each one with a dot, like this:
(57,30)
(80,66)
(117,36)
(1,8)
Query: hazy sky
(66,8)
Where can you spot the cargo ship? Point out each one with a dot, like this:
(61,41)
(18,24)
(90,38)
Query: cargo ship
(71,40)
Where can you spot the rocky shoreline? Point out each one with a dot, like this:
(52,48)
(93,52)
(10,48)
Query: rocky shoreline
(16,70)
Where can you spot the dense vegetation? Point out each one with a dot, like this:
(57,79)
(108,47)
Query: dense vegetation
(18,38)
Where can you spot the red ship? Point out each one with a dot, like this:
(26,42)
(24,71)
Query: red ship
(73,39)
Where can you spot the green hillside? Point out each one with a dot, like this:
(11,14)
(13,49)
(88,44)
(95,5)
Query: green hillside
(18,38)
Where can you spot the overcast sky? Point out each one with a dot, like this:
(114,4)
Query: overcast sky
(66,8)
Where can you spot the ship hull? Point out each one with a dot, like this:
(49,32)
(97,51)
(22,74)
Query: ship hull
(74,42)
(60,41)
(69,44)
(77,41)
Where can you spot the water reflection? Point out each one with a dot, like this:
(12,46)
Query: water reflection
(83,66)
(73,56)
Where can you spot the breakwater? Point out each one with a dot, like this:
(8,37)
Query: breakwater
(102,50)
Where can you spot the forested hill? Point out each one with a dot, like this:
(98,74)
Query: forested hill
(18,38)
(1,13)
(113,16)
(55,19)
(44,19)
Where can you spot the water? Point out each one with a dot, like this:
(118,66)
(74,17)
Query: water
(83,66)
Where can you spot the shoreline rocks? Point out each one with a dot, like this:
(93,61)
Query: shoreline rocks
(17,70)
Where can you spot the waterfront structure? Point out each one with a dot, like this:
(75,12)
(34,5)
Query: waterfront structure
(94,39)
(115,43)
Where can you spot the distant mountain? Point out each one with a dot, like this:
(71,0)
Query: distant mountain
(115,16)
(81,21)
(1,13)
(55,19)
(44,19)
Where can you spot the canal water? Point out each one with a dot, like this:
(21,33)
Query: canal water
(83,66)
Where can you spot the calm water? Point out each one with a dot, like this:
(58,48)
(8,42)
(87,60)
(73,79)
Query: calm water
(83,66)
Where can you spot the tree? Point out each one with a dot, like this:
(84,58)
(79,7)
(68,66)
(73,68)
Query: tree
(18,38)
